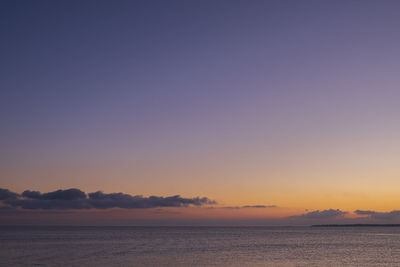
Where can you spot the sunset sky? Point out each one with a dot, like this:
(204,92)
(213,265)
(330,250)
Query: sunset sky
(272,110)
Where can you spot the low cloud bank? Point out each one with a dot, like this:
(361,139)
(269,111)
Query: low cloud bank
(332,215)
(76,199)
(391,215)
(324,214)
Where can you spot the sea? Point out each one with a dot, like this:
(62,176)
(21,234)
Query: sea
(199,246)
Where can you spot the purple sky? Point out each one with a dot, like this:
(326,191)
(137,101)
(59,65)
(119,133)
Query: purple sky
(245,102)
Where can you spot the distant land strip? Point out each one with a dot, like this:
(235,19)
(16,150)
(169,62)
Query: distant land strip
(356,225)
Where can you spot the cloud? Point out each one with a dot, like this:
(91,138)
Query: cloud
(100,200)
(76,199)
(324,214)
(364,212)
(69,194)
(259,206)
(7,194)
(250,207)
(391,215)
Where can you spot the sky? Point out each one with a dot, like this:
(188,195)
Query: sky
(271,112)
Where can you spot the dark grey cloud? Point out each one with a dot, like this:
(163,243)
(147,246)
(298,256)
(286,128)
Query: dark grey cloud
(258,206)
(323,214)
(391,215)
(69,194)
(7,194)
(76,199)
(100,200)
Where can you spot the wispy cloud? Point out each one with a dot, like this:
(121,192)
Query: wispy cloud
(259,206)
(250,207)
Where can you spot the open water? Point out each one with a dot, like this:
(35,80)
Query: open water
(199,246)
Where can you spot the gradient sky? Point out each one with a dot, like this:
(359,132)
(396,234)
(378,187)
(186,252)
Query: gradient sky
(287,103)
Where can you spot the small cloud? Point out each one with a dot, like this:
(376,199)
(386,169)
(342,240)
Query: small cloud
(391,215)
(324,214)
(364,212)
(259,206)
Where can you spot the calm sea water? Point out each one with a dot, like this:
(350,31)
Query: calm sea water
(199,246)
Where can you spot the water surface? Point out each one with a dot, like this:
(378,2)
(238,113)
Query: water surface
(199,246)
